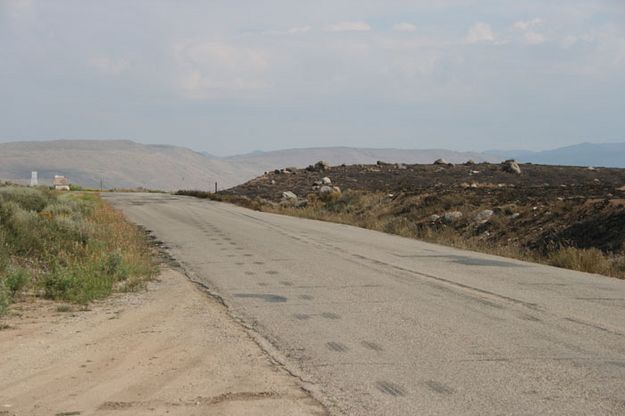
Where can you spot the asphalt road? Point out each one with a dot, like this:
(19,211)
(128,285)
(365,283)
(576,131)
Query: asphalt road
(384,325)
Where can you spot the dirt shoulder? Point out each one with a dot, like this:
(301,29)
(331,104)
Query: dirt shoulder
(171,350)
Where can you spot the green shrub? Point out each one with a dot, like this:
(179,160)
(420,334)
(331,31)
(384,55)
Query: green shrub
(25,232)
(112,265)
(80,285)
(16,280)
(57,285)
(29,199)
(5,301)
(4,253)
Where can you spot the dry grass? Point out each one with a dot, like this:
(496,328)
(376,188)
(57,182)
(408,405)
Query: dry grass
(588,260)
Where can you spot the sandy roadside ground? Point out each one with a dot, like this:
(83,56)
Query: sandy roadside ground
(171,350)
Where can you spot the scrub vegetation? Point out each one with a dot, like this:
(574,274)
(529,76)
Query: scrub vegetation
(70,247)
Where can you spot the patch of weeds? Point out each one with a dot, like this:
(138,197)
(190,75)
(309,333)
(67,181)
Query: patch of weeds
(16,281)
(79,285)
(5,301)
(133,285)
(64,308)
(585,260)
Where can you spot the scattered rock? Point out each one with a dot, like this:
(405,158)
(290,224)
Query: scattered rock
(442,162)
(515,215)
(319,166)
(326,181)
(401,166)
(622,188)
(435,217)
(325,190)
(511,166)
(328,192)
(289,196)
(273,181)
(452,216)
(470,162)
(322,165)
(291,169)
(484,216)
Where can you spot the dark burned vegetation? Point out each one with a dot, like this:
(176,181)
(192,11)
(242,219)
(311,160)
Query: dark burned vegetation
(570,217)
(71,247)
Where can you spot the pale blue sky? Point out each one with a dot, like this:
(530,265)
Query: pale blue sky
(236,76)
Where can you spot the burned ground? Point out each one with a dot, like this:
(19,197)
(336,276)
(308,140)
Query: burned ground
(540,211)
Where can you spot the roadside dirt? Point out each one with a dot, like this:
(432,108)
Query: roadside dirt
(170,350)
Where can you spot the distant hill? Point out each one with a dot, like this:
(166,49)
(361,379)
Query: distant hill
(118,163)
(263,161)
(126,164)
(584,154)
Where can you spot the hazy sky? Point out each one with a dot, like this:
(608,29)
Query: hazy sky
(235,76)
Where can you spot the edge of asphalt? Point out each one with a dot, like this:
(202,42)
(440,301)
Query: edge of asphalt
(266,345)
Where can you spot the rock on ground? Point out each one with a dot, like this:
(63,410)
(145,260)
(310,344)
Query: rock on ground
(511,166)
(289,196)
(452,216)
(484,215)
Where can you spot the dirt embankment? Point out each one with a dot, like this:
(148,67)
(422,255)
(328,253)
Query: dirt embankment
(171,350)
(531,215)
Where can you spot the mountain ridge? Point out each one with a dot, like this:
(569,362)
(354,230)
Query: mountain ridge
(582,154)
(128,164)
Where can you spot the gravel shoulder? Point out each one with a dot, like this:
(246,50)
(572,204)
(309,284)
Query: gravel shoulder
(170,350)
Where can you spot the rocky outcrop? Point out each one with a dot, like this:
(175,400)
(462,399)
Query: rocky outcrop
(452,216)
(320,166)
(289,196)
(484,216)
(511,166)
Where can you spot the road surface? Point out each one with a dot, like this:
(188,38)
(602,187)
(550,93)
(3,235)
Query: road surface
(377,324)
